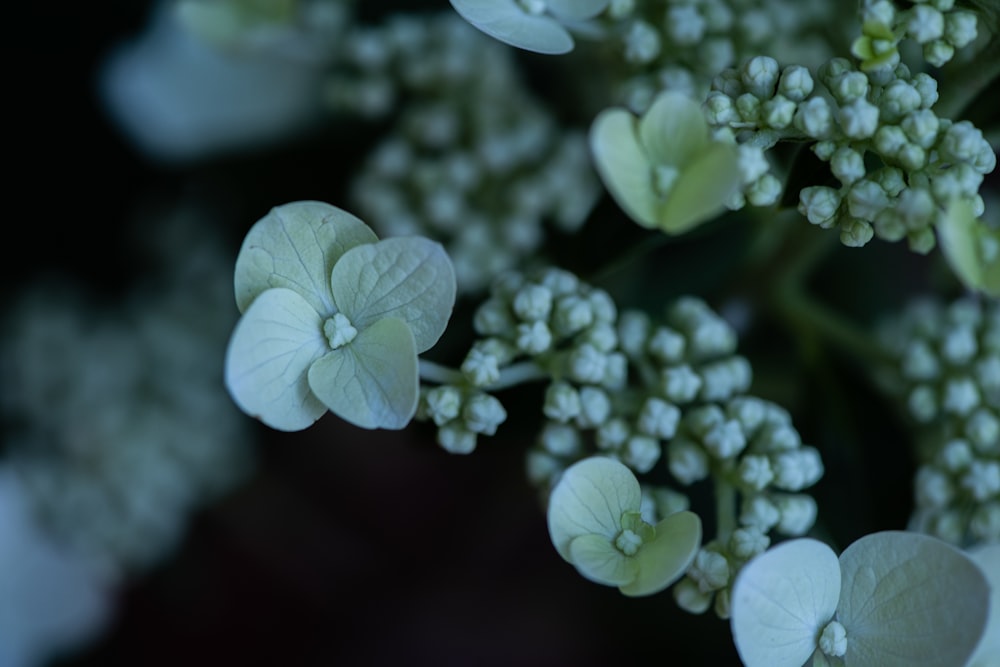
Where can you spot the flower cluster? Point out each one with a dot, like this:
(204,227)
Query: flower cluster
(898,165)
(682,46)
(473,160)
(121,425)
(938,26)
(948,376)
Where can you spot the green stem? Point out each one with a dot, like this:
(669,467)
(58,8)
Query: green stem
(519,373)
(725,507)
(791,299)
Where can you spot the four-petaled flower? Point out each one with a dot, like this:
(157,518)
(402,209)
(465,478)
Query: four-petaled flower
(665,170)
(595,525)
(333,318)
(892,599)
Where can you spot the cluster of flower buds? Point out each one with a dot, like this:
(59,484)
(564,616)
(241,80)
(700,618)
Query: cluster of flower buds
(474,161)
(948,376)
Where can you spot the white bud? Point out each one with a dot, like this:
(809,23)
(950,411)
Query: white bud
(560,439)
(533,337)
(798,514)
(480,368)
(658,418)
(533,302)
(666,345)
(747,542)
(760,76)
(982,480)
(641,453)
(725,440)
(456,439)
(924,23)
(684,25)
(710,570)
(595,407)
(443,403)
(814,117)
(858,119)
(680,384)
(690,598)
(961,396)
(760,512)
(642,43)
(847,165)
(755,472)
(483,414)
(820,205)
(562,402)
(866,199)
(587,364)
(612,434)
(687,461)
(960,28)
(796,83)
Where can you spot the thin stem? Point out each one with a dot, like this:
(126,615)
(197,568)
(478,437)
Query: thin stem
(725,507)
(519,373)
(434,372)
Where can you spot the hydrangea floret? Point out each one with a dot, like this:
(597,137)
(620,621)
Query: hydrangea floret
(596,525)
(665,169)
(892,599)
(333,318)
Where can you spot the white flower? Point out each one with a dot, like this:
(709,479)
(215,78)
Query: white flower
(893,599)
(595,524)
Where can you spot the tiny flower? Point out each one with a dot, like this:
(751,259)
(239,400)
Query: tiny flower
(891,599)
(595,524)
(333,319)
(664,169)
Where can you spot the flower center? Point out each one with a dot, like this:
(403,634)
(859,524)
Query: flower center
(664,177)
(628,542)
(833,640)
(339,331)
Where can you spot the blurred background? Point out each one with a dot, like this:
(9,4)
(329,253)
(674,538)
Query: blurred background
(145,521)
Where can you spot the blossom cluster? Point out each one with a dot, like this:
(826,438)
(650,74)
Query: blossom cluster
(948,378)
(658,395)
(121,428)
(898,165)
(472,159)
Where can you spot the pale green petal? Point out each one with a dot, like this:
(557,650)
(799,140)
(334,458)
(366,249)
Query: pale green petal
(590,498)
(701,190)
(597,559)
(274,343)
(372,381)
(987,654)
(673,131)
(411,279)
(623,165)
(296,246)
(663,560)
(576,10)
(506,21)
(910,600)
(962,236)
(781,601)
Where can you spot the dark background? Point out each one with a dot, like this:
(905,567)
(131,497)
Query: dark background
(349,547)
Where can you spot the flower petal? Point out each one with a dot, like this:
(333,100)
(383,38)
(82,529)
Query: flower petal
(296,246)
(963,237)
(781,601)
(411,279)
(597,559)
(623,165)
(590,498)
(372,381)
(673,131)
(506,21)
(910,599)
(988,559)
(274,343)
(701,189)
(663,560)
